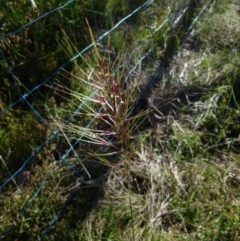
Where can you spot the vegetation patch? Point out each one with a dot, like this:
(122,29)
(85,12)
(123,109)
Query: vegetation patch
(154,150)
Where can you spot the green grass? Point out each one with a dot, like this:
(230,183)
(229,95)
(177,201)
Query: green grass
(172,170)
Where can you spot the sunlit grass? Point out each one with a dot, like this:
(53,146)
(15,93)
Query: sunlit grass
(176,178)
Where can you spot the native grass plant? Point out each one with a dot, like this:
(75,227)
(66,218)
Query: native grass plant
(108,103)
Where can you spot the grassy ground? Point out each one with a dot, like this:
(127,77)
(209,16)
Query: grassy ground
(166,168)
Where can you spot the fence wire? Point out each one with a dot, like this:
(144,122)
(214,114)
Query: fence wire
(176,12)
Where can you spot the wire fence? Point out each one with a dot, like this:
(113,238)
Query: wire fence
(176,12)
